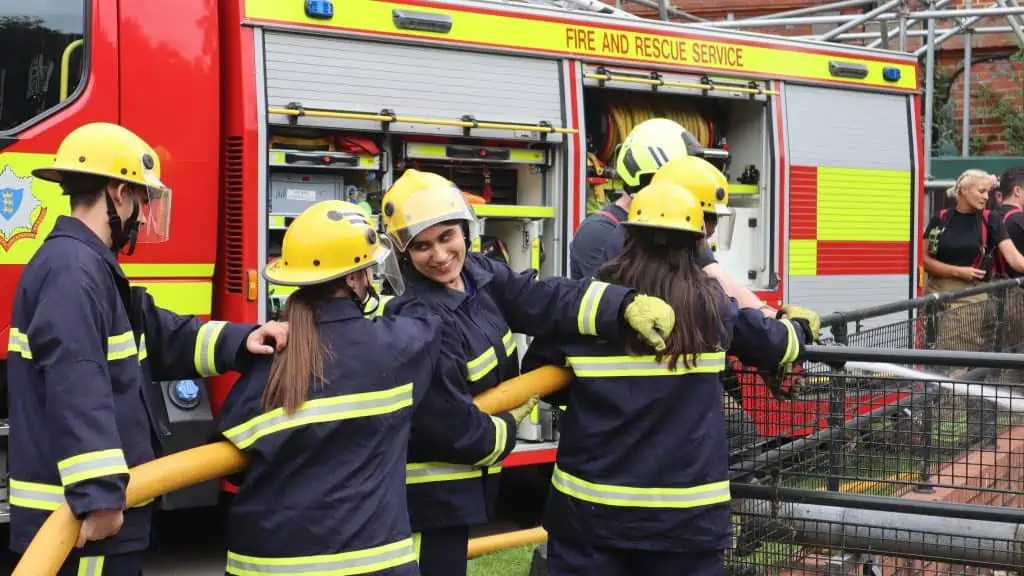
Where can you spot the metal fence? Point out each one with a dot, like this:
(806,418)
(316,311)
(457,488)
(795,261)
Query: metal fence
(903,454)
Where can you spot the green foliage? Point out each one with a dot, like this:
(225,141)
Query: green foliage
(947,132)
(1009,112)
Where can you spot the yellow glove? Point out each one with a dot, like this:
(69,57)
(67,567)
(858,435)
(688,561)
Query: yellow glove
(522,411)
(807,315)
(652,318)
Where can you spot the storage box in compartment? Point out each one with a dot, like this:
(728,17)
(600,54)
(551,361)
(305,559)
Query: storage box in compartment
(291,194)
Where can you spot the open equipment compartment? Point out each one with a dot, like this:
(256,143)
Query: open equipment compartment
(731,120)
(306,166)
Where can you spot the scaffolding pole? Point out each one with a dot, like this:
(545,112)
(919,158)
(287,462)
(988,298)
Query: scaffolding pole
(905,24)
(858,21)
(929,15)
(929,94)
(670,9)
(919,33)
(1013,21)
(935,42)
(815,9)
(965,138)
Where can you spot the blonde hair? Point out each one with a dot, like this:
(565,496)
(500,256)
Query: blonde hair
(968,178)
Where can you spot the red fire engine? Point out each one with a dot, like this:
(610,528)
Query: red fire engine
(260,107)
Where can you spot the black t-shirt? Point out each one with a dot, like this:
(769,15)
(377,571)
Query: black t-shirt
(599,239)
(1014,226)
(958,241)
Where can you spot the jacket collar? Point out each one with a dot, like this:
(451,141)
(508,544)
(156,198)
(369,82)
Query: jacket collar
(475,271)
(337,310)
(71,227)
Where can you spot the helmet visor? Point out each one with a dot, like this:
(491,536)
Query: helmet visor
(155,216)
(725,222)
(386,268)
(426,208)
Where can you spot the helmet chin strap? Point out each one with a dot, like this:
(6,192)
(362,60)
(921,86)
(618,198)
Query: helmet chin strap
(123,234)
(371,293)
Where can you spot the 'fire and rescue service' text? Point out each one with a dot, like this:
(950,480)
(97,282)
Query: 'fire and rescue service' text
(648,47)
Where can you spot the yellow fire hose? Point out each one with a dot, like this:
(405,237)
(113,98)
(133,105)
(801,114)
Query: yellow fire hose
(495,542)
(56,538)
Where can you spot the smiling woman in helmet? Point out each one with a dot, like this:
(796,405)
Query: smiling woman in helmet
(483,302)
(641,482)
(326,423)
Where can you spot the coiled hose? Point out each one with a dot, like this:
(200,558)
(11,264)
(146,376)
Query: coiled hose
(624,110)
(619,113)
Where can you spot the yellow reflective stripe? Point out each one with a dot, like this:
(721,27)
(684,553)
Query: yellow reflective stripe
(792,344)
(121,346)
(92,465)
(510,344)
(496,469)
(168,270)
(500,438)
(424,472)
(632,497)
(619,366)
(336,408)
(417,538)
(91,566)
(204,356)
(143,354)
(482,365)
(188,298)
(366,561)
(37,496)
(17,343)
(586,318)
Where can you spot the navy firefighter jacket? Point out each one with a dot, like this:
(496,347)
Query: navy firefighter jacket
(325,486)
(84,350)
(479,324)
(643,457)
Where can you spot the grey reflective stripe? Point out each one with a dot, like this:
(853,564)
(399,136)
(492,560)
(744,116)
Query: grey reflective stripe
(586,320)
(18,342)
(482,365)
(206,347)
(90,566)
(121,347)
(92,465)
(631,497)
(34,495)
(439,472)
(322,410)
(617,366)
(510,344)
(355,562)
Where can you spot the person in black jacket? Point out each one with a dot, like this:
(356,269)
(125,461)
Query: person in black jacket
(85,347)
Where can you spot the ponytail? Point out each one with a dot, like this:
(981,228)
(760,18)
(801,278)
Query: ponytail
(300,364)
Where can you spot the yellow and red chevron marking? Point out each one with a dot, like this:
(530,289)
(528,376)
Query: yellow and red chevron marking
(846,221)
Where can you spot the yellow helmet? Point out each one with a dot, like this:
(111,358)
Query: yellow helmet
(329,240)
(701,177)
(419,200)
(668,206)
(648,147)
(113,151)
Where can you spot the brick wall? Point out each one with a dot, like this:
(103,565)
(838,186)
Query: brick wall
(1005,79)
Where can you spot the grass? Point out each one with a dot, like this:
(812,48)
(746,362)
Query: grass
(511,562)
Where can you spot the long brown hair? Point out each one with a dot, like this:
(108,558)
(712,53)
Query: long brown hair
(299,365)
(664,264)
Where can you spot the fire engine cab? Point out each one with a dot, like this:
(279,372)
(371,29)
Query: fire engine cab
(259,108)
